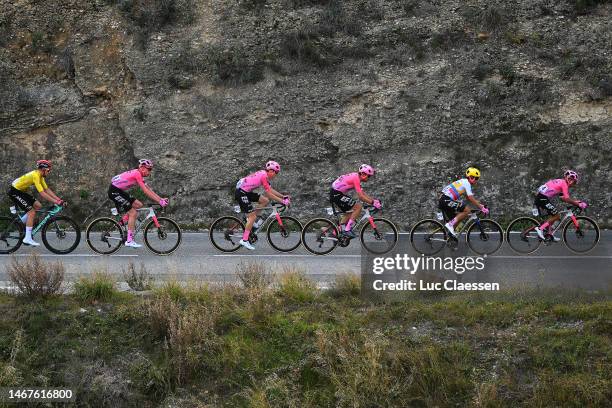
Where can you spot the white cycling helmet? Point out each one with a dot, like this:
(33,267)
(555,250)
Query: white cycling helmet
(572,175)
(366,169)
(272,165)
(146,163)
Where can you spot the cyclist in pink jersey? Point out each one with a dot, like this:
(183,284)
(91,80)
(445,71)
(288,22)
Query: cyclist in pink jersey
(125,203)
(338,196)
(551,189)
(246,197)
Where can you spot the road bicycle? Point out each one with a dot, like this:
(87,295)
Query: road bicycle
(162,235)
(283,232)
(60,234)
(483,236)
(580,233)
(377,235)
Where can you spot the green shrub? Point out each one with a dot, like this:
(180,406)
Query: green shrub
(172,289)
(97,287)
(294,286)
(346,285)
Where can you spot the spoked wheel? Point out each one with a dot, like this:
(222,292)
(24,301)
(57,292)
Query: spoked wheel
(521,235)
(428,237)
(12,232)
(162,240)
(61,235)
(104,236)
(484,237)
(287,237)
(582,237)
(225,233)
(320,236)
(379,236)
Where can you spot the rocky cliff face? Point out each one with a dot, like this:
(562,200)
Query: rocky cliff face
(211,90)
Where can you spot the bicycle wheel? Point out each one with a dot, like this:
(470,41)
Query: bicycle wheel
(286,238)
(104,236)
(320,236)
(428,237)
(225,233)
(12,232)
(61,235)
(379,236)
(484,237)
(165,239)
(521,235)
(583,237)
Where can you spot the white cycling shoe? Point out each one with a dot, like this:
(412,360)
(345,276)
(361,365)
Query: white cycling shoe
(30,241)
(246,244)
(450,229)
(132,244)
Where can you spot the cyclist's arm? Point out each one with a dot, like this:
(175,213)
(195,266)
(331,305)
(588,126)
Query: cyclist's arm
(274,195)
(150,193)
(474,201)
(52,194)
(569,200)
(44,194)
(364,197)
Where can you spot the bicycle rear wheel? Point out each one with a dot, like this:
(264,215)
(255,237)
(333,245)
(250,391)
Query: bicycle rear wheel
(484,237)
(287,237)
(521,235)
(104,236)
(61,235)
(225,233)
(12,232)
(320,236)
(379,236)
(165,239)
(583,237)
(428,237)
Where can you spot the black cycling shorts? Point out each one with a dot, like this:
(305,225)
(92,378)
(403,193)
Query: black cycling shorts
(543,204)
(122,199)
(246,199)
(450,207)
(21,199)
(341,200)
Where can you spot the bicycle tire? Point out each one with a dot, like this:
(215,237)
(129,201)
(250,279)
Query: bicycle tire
(473,240)
(220,232)
(521,235)
(12,231)
(430,233)
(371,247)
(595,229)
(113,231)
(289,223)
(323,231)
(162,234)
(47,242)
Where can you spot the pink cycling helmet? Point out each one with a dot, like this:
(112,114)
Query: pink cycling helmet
(272,165)
(366,169)
(146,163)
(571,174)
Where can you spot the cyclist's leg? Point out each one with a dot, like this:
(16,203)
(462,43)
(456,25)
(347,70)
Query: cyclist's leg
(544,202)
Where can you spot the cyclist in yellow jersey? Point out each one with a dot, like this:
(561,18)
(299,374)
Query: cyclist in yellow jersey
(19,195)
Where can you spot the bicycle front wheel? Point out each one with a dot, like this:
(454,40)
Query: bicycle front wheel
(225,233)
(12,232)
(286,237)
(521,235)
(484,237)
(379,236)
(104,236)
(164,237)
(428,237)
(61,235)
(582,236)
(320,236)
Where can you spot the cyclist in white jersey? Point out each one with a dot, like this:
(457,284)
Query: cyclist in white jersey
(451,203)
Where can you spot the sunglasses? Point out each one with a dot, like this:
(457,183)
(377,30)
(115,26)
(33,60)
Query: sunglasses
(473,178)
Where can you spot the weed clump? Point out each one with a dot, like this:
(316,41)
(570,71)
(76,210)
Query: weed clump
(99,287)
(294,286)
(137,280)
(36,278)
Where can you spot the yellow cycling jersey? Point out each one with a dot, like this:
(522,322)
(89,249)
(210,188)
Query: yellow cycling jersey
(33,177)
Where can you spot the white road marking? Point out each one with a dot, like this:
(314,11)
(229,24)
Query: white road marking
(287,256)
(73,255)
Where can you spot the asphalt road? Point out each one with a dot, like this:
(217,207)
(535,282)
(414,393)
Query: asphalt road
(196,259)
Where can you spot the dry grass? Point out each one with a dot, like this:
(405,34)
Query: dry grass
(254,275)
(36,278)
(137,280)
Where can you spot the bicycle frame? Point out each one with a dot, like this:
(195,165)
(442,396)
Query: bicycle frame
(50,213)
(464,225)
(275,213)
(569,214)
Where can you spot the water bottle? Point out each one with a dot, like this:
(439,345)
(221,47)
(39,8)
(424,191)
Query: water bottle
(114,211)
(535,211)
(236,209)
(258,222)
(439,216)
(330,211)
(13,210)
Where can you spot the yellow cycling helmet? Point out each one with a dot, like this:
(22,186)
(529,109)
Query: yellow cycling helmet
(472,172)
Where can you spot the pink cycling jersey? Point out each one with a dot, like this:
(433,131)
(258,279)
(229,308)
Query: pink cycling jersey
(128,179)
(553,188)
(252,181)
(347,182)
